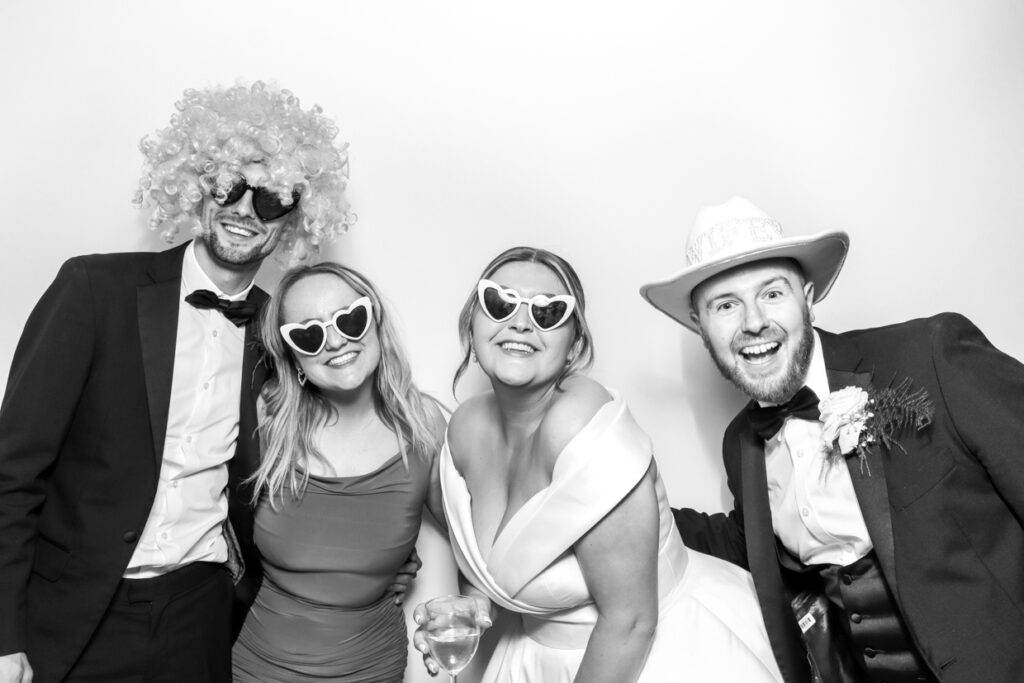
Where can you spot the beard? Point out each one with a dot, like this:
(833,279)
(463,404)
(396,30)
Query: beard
(777,388)
(233,255)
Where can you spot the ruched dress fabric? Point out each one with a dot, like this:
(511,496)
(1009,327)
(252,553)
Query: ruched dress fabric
(323,612)
(709,623)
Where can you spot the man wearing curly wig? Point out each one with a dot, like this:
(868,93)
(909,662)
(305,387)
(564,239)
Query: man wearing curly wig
(877,477)
(128,424)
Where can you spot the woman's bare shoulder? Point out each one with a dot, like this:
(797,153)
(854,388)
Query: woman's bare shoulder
(468,427)
(571,410)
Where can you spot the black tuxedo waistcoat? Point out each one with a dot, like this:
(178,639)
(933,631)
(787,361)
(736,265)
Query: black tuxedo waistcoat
(82,429)
(944,513)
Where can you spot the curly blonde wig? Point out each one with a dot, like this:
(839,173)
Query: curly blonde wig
(217,131)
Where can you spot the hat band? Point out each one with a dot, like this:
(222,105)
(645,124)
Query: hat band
(732,235)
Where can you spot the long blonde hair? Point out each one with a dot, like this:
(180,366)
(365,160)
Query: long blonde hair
(294,413)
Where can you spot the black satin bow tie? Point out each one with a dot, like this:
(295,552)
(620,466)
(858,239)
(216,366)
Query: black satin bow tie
(238,312)
(767,420)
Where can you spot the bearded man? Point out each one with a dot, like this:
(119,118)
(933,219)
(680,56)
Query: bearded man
(878,475)
(128,424)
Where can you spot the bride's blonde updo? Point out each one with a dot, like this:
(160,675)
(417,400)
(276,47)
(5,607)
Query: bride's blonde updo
(217,131)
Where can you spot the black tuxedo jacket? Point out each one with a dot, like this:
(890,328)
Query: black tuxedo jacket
(82,429)
(946,516)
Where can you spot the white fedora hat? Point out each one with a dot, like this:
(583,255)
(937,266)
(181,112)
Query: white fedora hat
(735,233)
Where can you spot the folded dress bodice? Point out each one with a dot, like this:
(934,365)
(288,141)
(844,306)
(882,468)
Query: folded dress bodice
(532,570)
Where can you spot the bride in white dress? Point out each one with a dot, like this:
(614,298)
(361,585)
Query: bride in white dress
(557,514)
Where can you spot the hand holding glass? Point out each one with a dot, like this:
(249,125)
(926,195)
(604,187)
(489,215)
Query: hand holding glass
(452,632)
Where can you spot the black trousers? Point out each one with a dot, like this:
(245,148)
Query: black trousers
(170,629)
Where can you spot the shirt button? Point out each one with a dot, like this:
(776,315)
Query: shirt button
(799,452)
(206,385)
(165,535)
(174,484)
(855,618)
(805,512)
(215,333)
(130,536)
(188,439)
(847,579)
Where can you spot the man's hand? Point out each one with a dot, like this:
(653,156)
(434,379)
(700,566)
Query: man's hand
(406,573)
(14,668)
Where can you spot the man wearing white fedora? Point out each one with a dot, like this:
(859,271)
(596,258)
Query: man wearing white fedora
(881,468)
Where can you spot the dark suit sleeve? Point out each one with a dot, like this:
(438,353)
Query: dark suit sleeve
(719,534)
(50,367)
(983,392)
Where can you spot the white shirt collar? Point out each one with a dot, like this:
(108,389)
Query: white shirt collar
(193,277)
(817,376)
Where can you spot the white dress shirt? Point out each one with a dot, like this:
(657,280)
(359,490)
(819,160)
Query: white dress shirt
(815,512)
(185,523)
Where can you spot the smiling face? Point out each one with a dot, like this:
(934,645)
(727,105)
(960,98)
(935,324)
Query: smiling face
(233,235)
(342,366)
(516,352)
(756,323)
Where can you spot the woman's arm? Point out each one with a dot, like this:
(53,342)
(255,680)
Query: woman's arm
(434,500)
(619,559)
(618,556)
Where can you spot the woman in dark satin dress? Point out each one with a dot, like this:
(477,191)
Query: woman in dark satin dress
(350,458)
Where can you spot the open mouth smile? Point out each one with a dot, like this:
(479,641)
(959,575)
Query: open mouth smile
(517,348)
(758,354)
(343,360)
(239,230)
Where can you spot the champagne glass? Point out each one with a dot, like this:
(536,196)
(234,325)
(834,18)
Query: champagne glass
(452,632)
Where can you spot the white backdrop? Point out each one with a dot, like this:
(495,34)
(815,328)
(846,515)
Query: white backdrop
(593,129)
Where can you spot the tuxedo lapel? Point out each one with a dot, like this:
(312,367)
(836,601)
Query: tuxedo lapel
(158,302)
(757,511)
(244,462)
(765,559)
(867,475)
(254,371)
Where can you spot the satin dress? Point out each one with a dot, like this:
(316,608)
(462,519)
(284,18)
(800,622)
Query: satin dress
(323,611)
(709,622)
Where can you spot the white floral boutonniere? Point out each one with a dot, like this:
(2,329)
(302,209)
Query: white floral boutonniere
(854,419)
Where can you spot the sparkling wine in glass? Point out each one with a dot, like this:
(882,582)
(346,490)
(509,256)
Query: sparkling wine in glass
(452,632)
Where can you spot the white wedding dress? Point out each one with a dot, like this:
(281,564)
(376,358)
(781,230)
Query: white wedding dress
(709,623)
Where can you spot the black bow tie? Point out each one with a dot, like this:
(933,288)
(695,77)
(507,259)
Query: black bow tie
(767,420)
(238,312)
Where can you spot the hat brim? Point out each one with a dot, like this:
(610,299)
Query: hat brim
(820,256)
